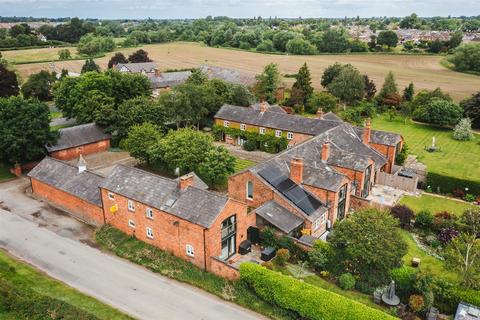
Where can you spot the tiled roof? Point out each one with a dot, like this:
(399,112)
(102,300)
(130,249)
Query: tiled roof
(279,216)
(271,108)
(382,137)
(78,136)
(332,117)
(63,176)
(228,75)
(137,67)
(168,79)
(193,204)
(275,120)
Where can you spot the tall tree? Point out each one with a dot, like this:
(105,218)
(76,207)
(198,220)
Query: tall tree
(370,88)
(90,65)
(139,56)
(116,59)
(304,83)
(8,82)
(330,73)
(268,82)
(455,40)
(409,92)
(388,38)
(348,86)
(463,255)
(24,129)
(471,109)
(39,85)
(140,138)
(466,58)
(389,88)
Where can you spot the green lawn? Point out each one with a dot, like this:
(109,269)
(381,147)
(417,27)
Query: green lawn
(434,204)
(24,277)
(55,114)
(242,164)
(427,262)
(456,159)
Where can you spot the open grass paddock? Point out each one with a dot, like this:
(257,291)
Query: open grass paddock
(424,70)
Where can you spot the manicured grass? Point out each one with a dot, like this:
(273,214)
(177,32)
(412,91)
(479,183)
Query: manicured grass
(242,164)
(173,267)
(24,277)
(457,159)
(5,172)
(55,114)
(435,266)
(434,204)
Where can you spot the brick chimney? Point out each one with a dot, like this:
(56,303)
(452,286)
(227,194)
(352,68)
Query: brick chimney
(320,113)
(296,170)
(158,73)
(367,132)
(185,181)
(325,151)
(263,106)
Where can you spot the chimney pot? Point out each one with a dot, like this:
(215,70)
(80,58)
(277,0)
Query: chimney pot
(185,181)
(263,106)
(367,132)
(325,151)
(296,170)
(320,113)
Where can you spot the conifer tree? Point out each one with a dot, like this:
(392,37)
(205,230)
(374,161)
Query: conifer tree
(303,83)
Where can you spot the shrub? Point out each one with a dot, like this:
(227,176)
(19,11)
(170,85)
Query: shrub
(458,193)
(346,281)
(283,255)
(268,238)
(416,302)
(320,256)
(308,301)
(424,220)
(402,155)
(402,213)
(469,197)
(439,111)
(268,264)
(447,234)
(446,184)
(448,296)
(463,130)
(250,145)
(404,278)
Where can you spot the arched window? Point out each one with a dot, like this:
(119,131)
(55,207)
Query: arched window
(249,190)
(229,233)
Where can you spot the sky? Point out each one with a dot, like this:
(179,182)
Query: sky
(134,9)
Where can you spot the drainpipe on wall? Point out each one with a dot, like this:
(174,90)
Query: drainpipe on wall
(204,251)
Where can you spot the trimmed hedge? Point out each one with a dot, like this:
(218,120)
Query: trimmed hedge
(448,184)
(448,296)
(308,301)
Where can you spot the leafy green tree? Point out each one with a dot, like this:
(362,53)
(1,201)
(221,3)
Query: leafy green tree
(140,139)
(388,38)
(39,85)
(300,46)
(463,255)
(240,96)
(332,40)
(89,66)
(64,54)
(281,39)
(411,22)
(466,58)
(358,46)
(92,45)
(97,106)
(369,245)
(197,77)
(216,166)
(116,59)
(389,88)
(470,220)
(471,109)
(24,129)
(268,82)
(321,100)
(321,255)
(265,46)
(139,56)
(438,111)
(463,130)
(177,108)
(330,73)
(455,39)
(303,83)
(409,92)
(424,97)
(348,86)
(8,82)
(436,46)
(370,88)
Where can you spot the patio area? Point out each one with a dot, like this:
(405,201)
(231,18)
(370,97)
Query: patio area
(253,256)
(385,195)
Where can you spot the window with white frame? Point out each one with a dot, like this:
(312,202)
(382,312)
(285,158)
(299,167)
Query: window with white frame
(131,223)
(111,196)
(323,218)
(243,127)
(149,233)
(316,224)
(289,135)
(262,130)
(249,190)
(149,213)
(131,206)
(278,133)
(189,250)
(226,124)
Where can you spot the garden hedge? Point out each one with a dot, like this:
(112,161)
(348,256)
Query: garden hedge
(448,184)
(308,301)
(448,296)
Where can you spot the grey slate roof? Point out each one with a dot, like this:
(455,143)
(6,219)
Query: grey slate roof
(228,75)
(63,176)
(271,108)
(286,122)
(168,79)
(137,67)
(78,136)
(279,216)
(382,137)
(332,117)
(195,205)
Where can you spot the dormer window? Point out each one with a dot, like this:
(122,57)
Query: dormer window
(226,124)
(262,130)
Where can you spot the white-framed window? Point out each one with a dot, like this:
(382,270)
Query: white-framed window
(289,135)
(149,213)
(226,124)
(131,206)
(249,190)
(262,130)
(131,223)
(149,233)
(243,126)
(278,133)
(316,224)
(111,196)
(189,250)
(323,218)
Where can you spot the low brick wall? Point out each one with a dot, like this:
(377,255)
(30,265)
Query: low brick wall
(223,269)
(358,202)
(75,152)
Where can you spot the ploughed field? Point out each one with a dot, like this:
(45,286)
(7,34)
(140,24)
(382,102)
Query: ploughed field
(424,71)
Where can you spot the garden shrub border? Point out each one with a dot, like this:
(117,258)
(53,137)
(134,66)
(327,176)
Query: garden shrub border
(447,184)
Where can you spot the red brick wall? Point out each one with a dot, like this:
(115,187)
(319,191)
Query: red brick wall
(79,208)
(73,153)
(223,270)
(388,152)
